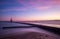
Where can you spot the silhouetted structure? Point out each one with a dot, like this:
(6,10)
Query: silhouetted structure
(11,20)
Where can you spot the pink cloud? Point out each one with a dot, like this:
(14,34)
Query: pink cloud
(19,9)
(26,8)
(37,2)
(42,7)
(34,4)
(29,2)
(53,2)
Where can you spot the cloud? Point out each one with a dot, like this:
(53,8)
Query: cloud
(42,7)
(37,2)
(53,2)
(25,8)
(14,9)
(29,4)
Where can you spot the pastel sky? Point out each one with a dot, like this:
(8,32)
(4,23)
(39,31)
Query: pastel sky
(27,10)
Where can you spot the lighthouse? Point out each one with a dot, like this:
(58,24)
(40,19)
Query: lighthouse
(11,20)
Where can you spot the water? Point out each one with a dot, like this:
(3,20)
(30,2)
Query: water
(10,24)
(47,24)
(15,31)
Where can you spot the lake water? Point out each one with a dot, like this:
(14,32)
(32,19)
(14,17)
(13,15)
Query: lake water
(14,31)
(47,24)
(10,24)
(17,31)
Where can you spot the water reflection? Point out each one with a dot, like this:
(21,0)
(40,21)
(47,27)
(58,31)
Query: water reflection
(46,24)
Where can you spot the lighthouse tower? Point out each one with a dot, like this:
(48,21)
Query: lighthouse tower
(11,20)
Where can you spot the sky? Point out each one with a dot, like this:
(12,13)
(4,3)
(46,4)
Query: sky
(29,10)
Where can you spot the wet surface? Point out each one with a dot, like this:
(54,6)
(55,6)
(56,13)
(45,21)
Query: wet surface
(21,31)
